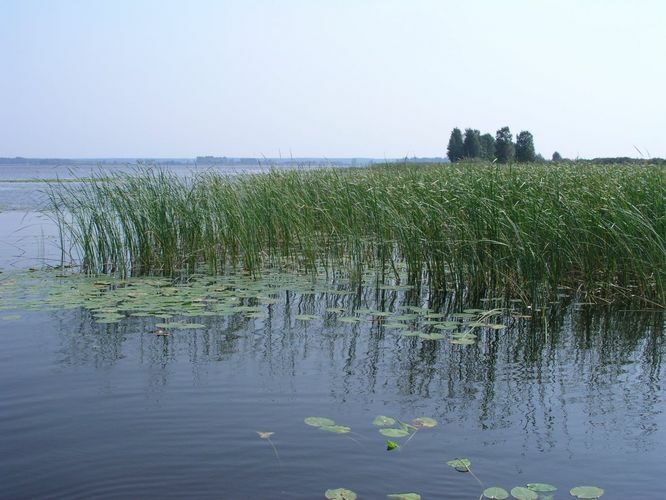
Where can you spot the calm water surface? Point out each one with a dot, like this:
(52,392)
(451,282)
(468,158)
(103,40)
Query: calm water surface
(112,410)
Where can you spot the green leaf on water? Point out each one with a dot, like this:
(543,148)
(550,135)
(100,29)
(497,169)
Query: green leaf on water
(383,421)
(404,496)
(586,492)
(394,433)
(460,464)
(424,422)
(463,341)
(431,336)
(443,326)
(305,317)
(495,493)
(340,494)
(10,317)
(541,487)
(522,493)
(349,319)
(338,429)
(391,445)
(318,421)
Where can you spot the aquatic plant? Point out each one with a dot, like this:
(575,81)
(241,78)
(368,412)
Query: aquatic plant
(522,229)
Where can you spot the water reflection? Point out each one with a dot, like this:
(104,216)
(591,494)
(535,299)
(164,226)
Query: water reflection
(575,373)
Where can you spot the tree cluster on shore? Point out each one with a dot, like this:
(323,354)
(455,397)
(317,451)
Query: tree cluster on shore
(501,148)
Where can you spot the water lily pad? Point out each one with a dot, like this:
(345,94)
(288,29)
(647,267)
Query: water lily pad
(586,492)
(404,496)
(382,421)
(405,317)
(338,429)
(431,336)
(410,333)
(460,464)
(10,317)
(394,433)
(541,487)
(340,494)
(495,493)
(522,493)
(444,326)
(318,421)
(463,341)
(349,319)
(424,422)
(391,445)
(305,317)
(335,309)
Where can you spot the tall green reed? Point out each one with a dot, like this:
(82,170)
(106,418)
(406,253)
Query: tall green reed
(520,229)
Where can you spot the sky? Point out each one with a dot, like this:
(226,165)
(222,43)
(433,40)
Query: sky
(336,78)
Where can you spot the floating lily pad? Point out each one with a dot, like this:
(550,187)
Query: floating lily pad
(391,445)
(410,333)
(462,341)
(180,326)
(340,494)
(495,493)
(586,492)
(394,433)
(522,493)
(541,487)
(405,317)
(424,422)
(404,496)
(349,319)
(305,317)
(382,421)
(335,309)
(444,326)
(431,336)
(338,429)
(460,464)
(318,421)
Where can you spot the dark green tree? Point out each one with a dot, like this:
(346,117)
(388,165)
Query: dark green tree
(525,147)
(504,148)
(557,156)
(487,147)
(455,149)
(471,144)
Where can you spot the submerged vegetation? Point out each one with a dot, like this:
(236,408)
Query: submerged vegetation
(525,229)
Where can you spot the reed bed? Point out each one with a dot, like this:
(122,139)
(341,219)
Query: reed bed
(525,229)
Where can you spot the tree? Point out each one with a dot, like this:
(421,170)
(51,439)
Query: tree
(487,147)
(504,148)
(471,144)
(455,149)
(525,147)
(557,156)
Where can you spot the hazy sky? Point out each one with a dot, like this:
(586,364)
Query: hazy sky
(328,78)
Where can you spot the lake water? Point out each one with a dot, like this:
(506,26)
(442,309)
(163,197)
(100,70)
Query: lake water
(574,396)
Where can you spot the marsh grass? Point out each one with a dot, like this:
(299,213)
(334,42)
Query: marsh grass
(525,229)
